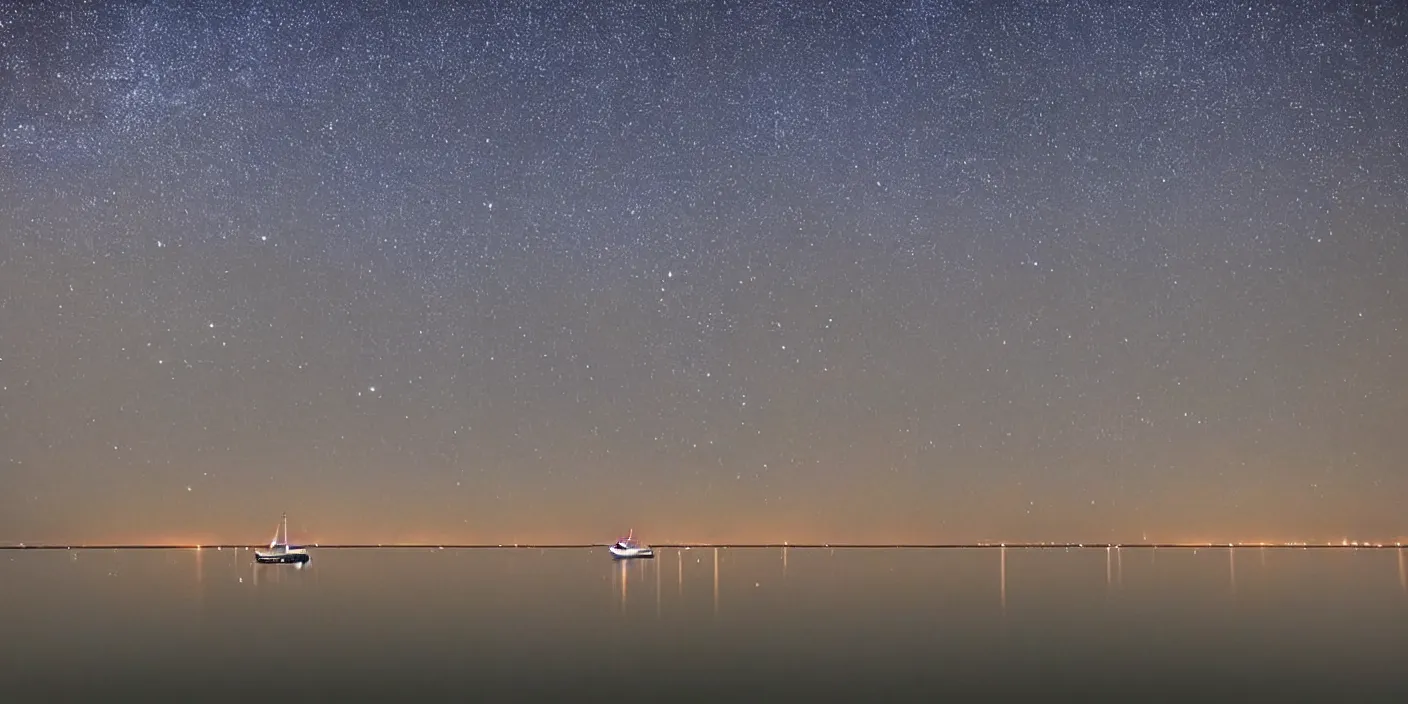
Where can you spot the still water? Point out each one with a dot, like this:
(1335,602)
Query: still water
(705,625)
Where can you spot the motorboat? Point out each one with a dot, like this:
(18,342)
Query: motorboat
(629,548)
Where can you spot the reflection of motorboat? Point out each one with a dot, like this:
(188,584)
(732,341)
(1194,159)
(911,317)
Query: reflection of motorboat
(628,548)
(279,551)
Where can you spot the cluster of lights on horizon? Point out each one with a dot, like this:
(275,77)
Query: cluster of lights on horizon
(1343,543)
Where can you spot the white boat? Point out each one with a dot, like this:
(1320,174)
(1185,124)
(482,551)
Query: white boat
(280,552)
(628,548)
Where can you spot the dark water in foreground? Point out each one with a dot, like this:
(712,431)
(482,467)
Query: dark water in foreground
(705,625)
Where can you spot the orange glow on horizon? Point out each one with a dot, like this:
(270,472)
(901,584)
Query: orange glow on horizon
(738,537)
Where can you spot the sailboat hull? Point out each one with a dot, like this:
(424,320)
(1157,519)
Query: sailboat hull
(628,553)
(284,559)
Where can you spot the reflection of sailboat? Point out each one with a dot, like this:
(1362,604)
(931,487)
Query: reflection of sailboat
(629,547)
(280,552)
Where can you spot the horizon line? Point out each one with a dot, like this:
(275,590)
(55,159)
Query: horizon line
(1344,545)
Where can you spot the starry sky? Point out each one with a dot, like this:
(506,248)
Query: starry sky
(717,271)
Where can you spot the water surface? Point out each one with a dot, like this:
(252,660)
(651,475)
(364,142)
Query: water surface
(705,624)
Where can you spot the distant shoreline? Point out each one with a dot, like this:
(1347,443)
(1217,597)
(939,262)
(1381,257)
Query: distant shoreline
(805,546)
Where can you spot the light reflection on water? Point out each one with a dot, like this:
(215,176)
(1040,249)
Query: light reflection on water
(749,623)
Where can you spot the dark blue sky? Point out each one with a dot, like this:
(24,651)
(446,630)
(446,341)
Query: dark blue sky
(718,271)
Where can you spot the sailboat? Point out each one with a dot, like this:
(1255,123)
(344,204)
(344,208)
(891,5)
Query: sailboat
(280,552)
(628,547)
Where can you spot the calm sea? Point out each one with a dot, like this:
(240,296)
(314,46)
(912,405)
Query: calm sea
(705,625)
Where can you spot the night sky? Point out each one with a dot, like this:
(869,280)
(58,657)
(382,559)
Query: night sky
(747,271)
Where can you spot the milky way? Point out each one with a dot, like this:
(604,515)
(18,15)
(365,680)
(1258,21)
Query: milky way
(711,270)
